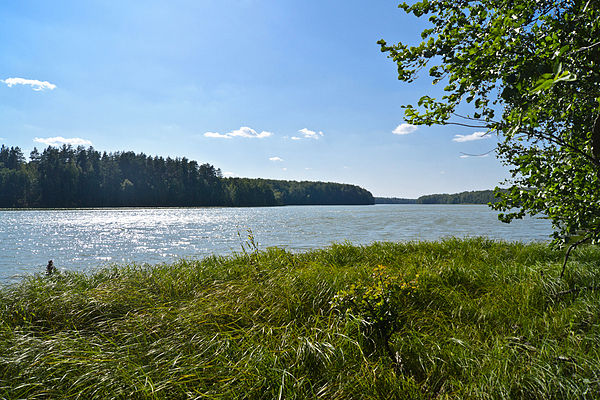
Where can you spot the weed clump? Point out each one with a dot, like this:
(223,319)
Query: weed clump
(377,305)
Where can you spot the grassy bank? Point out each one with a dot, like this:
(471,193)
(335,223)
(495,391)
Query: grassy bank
(464,319)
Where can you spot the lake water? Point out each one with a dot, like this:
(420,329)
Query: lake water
(86,238)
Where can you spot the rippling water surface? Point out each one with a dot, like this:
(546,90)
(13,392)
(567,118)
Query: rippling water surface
(86,238)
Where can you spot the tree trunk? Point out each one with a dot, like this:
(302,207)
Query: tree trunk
(596,142)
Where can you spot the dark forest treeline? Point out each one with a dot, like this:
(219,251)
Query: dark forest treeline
(80,177)
(472,197)
(394,200)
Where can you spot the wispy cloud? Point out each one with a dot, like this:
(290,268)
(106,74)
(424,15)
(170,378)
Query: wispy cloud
(34,83)
(404,129)
(474,155)
(277,159)
(228,174)
(471,137)
(217,135)
(310,134)
(59,140)
(244,131)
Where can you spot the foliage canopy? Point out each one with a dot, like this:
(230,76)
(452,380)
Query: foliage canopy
(530,71)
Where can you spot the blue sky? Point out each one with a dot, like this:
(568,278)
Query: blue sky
(275,89)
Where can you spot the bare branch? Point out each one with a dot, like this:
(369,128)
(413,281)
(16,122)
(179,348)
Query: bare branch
(555,139)
(584,48)
(571,247)
(467,125)
(473,119)
(596,138)
(478,155)
(576,290)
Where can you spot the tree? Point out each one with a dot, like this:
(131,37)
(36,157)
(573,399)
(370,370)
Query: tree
(530,72)
(68,177)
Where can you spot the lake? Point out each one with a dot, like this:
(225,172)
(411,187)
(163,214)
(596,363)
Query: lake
(83,239)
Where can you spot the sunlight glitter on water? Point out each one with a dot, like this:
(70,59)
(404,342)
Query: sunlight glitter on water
(84,239)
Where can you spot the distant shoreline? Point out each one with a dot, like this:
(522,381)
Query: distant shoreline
(383,202)
(472,197)
(171,207)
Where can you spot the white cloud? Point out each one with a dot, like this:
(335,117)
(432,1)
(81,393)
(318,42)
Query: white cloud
(275,159)
(34,83)
(228,174)
(59,140)
(471,137)
(285,169)
(308,134)
(216,135)
(404,129)
(244,131)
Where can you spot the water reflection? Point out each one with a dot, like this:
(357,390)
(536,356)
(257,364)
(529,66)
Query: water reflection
(83,239)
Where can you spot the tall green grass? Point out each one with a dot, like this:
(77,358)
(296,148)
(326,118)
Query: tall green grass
(486,322)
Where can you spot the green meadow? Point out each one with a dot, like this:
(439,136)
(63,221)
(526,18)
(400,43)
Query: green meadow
(454,319)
